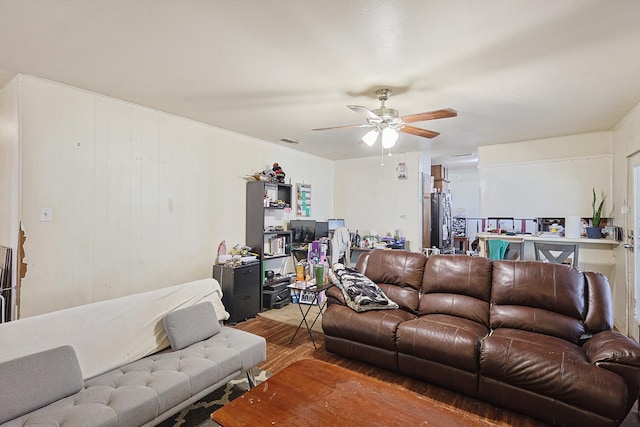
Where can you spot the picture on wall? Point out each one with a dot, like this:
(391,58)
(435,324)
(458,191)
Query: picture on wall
(303,199)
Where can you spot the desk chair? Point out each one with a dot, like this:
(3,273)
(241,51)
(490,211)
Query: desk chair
(557,253)
(513,252)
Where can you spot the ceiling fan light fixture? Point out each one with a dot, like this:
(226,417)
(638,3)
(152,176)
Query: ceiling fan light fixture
(389,137)
(370,137)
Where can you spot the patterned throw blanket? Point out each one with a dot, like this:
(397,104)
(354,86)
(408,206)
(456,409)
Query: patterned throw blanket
(360,293)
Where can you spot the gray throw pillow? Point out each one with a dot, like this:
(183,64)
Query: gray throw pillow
(36,380)
(192,324)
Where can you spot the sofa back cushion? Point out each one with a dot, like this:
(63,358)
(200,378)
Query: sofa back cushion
(190,325)
(538,297)
(397,272)
(33,381)
(599,316)
(457,285)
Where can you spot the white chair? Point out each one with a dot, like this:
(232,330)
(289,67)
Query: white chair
(430,251)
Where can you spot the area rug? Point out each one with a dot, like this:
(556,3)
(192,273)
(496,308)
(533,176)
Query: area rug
(199,414)
(291,315)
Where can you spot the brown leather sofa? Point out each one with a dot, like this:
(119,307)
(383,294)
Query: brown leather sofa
(533,337)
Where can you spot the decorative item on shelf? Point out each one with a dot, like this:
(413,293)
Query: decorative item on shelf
(279,173)
(573,227)
(595,231)
(303,199)
(401,169)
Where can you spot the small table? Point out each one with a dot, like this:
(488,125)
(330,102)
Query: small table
(310,288)
(314,393)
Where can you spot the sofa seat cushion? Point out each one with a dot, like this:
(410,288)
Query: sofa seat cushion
(551,367)
(68,412)
(440,338)
(375,328)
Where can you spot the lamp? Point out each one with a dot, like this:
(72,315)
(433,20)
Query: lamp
(389,137)
(370,137)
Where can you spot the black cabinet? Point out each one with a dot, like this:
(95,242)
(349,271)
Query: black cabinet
(241,293)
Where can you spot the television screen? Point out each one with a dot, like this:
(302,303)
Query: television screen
(335,223)
(303,231)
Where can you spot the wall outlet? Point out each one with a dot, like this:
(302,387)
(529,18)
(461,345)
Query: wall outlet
(46,214)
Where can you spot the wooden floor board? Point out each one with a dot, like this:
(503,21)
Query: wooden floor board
(281,354)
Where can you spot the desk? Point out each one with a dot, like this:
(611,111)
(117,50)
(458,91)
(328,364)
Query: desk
(595,254)
(309,287)
(300,254)
(356,252)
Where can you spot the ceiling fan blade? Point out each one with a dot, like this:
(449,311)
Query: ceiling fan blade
(366,125)
(419,132)
(365,112)
(430,115)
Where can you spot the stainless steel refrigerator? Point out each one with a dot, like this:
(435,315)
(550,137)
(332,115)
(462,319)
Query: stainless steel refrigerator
(437,223)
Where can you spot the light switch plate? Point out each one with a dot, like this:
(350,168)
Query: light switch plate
(46,214)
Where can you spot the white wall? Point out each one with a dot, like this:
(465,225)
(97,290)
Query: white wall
(465,197)
(371,198)
(465,192)
(140,199)
(547,177)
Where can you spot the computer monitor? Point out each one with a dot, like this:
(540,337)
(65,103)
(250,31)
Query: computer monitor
(322,229)
(335,223)
(303,231)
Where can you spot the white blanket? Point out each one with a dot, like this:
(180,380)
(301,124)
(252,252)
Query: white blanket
(108,334)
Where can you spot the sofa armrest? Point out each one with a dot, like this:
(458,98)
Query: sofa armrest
(31,382)
(612,347)
(334,296)
(617,353)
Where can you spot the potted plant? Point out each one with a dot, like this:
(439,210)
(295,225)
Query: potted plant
(595,232)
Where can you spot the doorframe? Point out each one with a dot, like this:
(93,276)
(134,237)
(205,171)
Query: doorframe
(632,256)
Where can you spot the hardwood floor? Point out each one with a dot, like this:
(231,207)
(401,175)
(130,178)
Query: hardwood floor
(281,354)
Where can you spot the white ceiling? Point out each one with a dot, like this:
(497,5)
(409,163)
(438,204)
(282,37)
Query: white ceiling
(514,70)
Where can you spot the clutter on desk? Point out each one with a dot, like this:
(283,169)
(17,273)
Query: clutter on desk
(237,256)
(313,270)
(374,241)
(304,293)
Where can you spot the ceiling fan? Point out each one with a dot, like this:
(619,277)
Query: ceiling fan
(387,122)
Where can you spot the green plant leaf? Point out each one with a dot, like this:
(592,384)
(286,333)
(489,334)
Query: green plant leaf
(597,213)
